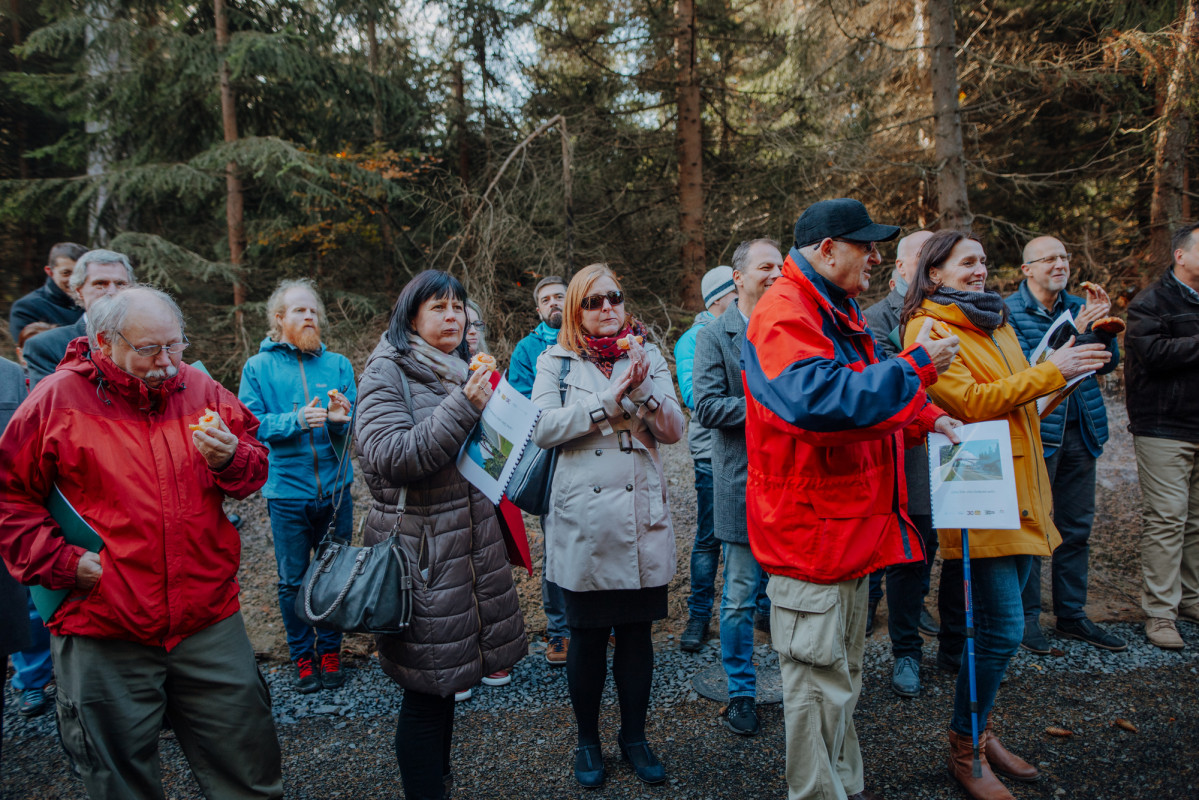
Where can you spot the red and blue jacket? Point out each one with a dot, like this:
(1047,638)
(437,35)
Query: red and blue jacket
(827,419)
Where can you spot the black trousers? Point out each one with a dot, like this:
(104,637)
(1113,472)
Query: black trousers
(424,735)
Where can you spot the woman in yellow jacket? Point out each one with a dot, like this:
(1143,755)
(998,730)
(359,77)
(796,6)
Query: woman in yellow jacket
(990,380)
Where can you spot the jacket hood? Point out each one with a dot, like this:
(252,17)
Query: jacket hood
(268,344)
(98,368)
(547,334)
(703,318)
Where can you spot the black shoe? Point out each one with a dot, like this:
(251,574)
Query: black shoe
(589,766)
(695,634)
(1087,631)
(927,625)
(647,766)
(949,662)
(871,610)
(332,676)
(308,680)
(741,716)
(905,677)
(1034,639)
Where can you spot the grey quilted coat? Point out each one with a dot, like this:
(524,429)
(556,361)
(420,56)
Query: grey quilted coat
(609,521)
(466,620)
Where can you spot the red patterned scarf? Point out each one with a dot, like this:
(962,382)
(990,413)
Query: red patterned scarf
(603,350)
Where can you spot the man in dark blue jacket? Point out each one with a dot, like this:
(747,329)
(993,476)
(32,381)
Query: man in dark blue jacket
(1074,434)
(53,302)
(302,395)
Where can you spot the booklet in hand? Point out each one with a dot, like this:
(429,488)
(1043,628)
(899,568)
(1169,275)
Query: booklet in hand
(1058,336)
(493,449)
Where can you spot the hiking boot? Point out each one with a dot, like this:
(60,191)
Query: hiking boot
(331,675)
(1085,630)
(1034,640)
(961,769)
(555,650)
(695,634)
(741,716)
(905,677)
(1003,762)
(307,679)
(498,678)
(1163,633)
(33,702)
(927,625)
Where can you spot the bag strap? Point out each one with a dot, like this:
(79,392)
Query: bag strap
(563,371)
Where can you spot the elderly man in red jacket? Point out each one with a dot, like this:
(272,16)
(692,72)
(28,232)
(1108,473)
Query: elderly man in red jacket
(152,626)
(827,421)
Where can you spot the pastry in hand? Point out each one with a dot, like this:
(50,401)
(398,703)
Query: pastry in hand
(210,419)
(1087,286)
(624,344)
(482,360)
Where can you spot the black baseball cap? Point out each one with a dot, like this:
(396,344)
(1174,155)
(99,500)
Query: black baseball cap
(843,218)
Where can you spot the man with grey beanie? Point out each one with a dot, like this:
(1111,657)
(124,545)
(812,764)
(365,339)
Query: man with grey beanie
(719,293)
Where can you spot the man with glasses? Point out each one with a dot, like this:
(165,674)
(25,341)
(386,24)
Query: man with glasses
(302,394)
(1074,434)
(549,295)
(97,273)
(826,424)
(152,623)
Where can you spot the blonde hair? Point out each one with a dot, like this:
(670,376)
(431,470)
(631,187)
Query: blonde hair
(277,307)
(572,336)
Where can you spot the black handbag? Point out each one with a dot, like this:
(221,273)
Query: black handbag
(529,486)
(359,589)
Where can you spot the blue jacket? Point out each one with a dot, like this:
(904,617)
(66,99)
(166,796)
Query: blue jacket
(699,438)
(1031,320)
(275,384)
(46,304)
(523,367)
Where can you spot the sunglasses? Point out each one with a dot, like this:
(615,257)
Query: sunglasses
(593,301)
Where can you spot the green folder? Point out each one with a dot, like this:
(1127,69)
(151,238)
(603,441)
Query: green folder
(76,531)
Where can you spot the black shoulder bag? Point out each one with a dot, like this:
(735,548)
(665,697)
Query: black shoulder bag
(529,486)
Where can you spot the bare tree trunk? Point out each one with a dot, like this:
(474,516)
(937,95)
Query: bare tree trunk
(567,199)
(1169,150)
(689,145)
(460,117)
(101,59)
(372,64)
(29,261)
(234,202)
(952,200)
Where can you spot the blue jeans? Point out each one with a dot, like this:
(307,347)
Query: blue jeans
(32,666)
(1072,477)
(705,553)
(742,583)
(996,585)
(298,526)
(907,584)
(552,601)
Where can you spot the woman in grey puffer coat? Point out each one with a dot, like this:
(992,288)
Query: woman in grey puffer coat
(466,620)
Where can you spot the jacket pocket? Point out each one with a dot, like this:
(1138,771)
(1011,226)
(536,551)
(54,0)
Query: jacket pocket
(807,619)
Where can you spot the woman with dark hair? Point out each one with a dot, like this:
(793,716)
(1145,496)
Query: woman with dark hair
(989,380)
(607,401)
(417,403)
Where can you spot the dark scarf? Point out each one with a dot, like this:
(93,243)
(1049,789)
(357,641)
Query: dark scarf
(983,309)
(603,350)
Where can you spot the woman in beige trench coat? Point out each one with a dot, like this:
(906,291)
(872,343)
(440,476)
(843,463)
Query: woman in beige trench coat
(608,539)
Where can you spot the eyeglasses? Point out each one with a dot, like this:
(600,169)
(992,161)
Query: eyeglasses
(479,325)
(869,247)
(593,301)
(1050,259)
(152,350)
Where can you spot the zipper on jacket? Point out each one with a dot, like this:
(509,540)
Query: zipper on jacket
(316,462)
(1024,408)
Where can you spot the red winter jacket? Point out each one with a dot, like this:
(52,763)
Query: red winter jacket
(825,427)
(123,456)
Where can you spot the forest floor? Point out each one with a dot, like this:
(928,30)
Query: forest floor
(515,741)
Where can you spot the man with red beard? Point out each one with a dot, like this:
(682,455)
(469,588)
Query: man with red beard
(302,395)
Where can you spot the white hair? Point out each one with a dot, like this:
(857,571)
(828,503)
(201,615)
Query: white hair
(108,314)
(79,276)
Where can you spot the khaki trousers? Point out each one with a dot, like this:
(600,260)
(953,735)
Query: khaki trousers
(1169,474)
(113,695)
(819,632)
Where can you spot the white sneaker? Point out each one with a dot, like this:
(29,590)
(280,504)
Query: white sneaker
(465,694)
(500,678)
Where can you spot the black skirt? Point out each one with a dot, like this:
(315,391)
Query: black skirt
(603,609)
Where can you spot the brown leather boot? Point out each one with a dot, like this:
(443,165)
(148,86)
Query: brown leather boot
(1003,762)
(986,787)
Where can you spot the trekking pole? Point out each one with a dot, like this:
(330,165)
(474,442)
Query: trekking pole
(976,764)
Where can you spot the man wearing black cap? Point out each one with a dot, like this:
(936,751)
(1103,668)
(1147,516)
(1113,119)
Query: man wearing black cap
(827,421)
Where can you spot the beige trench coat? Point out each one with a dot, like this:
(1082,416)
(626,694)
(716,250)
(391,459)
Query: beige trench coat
(609,522)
